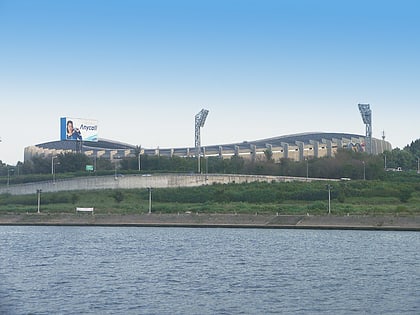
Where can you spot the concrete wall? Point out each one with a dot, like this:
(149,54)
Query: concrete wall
(141,181)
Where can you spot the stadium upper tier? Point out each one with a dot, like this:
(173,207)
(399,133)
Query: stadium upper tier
(296,147)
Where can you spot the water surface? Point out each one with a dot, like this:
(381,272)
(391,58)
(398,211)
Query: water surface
(114,270)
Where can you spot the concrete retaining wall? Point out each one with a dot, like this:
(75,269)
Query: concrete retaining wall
(142,181)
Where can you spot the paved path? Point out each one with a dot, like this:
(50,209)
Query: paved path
(406,223)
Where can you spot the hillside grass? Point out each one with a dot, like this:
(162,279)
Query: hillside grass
(353,198)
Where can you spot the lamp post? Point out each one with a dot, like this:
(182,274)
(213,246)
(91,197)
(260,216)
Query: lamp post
(207,166)
(307,169)
(385,162)
(38,191)
(53,168)
(329,198)
(418,165)
(139,158)
(150,199)
(8,177)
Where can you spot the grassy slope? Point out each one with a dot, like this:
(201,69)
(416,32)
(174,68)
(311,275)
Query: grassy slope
(357,197)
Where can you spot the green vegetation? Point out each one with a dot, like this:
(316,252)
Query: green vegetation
(383,192)
(347,197)
(345,163)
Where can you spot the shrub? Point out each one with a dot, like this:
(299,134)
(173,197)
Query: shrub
(318,205)
(118,196)
(405,194)
(341,197)
(74,198)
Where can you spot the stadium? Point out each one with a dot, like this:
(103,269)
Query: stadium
(296,147)
(81,136)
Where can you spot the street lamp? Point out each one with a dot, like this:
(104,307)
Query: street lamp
(307,169)
(53,168)
(385,162)
(207,166)
(38,191)
(150,199)
(329,198)
(139,158)
(8,176)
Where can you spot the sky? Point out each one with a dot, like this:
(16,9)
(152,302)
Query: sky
(262,68)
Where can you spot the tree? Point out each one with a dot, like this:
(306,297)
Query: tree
(414,148)
(71,162)
(268,153)
(400,158)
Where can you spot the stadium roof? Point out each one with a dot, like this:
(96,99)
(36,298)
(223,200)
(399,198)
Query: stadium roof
(104,144)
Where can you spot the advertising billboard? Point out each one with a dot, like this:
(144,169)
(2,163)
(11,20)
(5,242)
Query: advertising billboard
(78,129)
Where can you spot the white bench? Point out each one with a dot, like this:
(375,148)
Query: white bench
(78,209)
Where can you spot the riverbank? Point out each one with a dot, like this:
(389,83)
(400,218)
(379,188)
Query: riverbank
(366,222)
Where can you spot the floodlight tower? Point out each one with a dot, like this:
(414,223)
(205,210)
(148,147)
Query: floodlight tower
(200,119)
(367,120)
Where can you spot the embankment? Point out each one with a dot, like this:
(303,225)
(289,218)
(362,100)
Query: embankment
(395,223)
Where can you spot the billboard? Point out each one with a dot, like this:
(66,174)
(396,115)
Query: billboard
(78,129)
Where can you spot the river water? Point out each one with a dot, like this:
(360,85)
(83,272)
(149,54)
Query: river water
(124,270)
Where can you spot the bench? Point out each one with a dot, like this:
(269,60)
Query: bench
(78,209)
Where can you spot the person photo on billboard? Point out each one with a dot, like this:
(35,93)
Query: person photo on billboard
(73,133)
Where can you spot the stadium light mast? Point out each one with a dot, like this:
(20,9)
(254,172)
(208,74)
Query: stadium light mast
(200,119)
(367,120)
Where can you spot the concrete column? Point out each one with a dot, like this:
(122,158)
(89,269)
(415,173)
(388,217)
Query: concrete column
(285,146)
(375,144)
(345,142)
(112,154)
(220,152)
(237,150)
(339,143)
(253,148)
(315,147)
(329,146)
(29,153)
(301,146)
(89,153)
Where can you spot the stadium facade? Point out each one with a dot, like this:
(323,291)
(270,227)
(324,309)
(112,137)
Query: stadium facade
(296,147)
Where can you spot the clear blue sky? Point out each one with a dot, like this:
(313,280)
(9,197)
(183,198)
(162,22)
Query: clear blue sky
(143,69)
